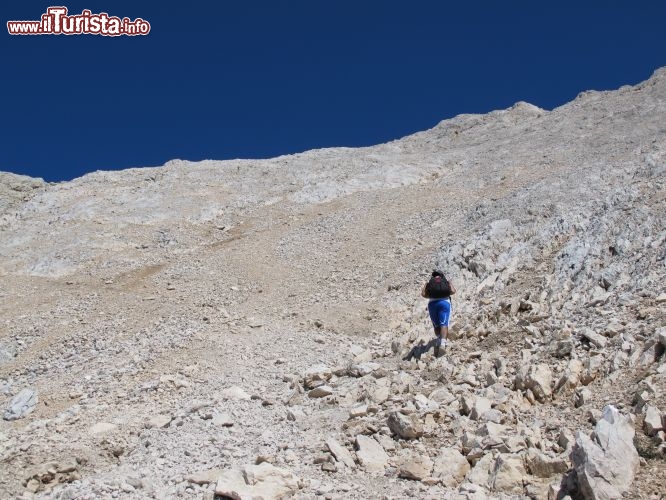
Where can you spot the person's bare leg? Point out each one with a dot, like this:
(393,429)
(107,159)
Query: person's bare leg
(438,334)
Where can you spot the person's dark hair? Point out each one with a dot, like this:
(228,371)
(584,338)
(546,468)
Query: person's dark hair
(436,273)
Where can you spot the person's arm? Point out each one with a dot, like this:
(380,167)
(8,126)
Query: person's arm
(424,294)
(453,288)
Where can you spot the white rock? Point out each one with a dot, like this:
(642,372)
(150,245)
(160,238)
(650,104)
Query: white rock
(594,338)
(363,369)
(405,426)
(479,407)
(102,428)
(204,477)
(480,473)
(223,420)
(544,466)
(21,405)
(316,375)
(370,454)
(653,421)
(442,396)
(539,381)
(606,463)
(159,421)
(340,453)
(263,481)
(507,474)
(296,415)
(451,467)
(417,467)
(358,411)
(235,393)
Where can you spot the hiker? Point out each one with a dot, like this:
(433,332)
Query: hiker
(438,290)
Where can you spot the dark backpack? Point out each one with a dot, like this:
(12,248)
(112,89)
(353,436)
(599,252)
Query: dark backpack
(438,288)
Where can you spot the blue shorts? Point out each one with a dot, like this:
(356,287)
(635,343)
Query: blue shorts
(440,312)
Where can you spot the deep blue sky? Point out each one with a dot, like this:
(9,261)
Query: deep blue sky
(255,79)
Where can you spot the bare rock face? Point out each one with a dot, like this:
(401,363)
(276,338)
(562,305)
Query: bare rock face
(173,319)
(606,463)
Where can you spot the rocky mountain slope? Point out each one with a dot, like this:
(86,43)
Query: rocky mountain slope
(237,328)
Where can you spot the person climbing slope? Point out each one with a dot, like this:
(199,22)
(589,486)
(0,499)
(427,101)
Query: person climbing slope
(439,290)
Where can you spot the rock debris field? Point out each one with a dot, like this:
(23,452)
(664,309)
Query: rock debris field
(235,329)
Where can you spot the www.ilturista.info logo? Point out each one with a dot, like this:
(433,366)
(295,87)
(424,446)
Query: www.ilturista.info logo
(57,22)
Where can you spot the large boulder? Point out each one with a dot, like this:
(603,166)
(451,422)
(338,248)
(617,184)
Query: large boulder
(606,462)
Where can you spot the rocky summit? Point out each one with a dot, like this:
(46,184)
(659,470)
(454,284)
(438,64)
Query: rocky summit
(236,329)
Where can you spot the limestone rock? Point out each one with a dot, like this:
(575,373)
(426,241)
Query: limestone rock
(544,466)
(320,392)
(47,475)
(594,338)
(442,396)
(235,393)
(316,375)
(256,481)
(363,369)
(204,477)
(21,405)
(405,426)
(451,466)
(507,474)
(159,421)
(539,381)
(380,394)
(653,421)
(370,454)
(417,467)
(583,396)
(340,453)
(570,378)
(480,473)
(223,420)
(606,463)
(102,428)
(479,407)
